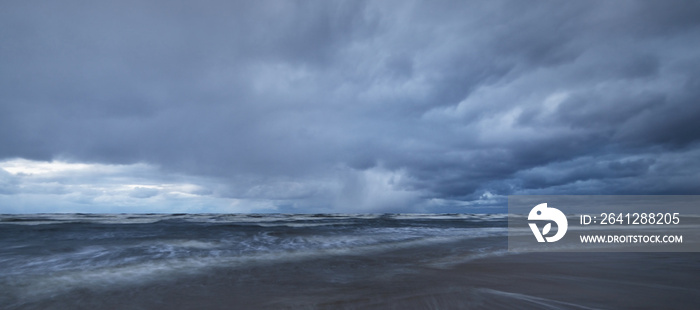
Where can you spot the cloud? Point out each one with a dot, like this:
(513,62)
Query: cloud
(37,186)
(344,106)
(8,183)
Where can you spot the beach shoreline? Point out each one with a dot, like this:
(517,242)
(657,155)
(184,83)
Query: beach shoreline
(417,278)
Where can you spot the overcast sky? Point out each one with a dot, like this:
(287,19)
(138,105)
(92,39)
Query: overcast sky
(343,106)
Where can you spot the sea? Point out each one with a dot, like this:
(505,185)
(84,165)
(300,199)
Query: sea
(317,261)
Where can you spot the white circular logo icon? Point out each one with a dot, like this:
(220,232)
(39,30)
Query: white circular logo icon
(542,213)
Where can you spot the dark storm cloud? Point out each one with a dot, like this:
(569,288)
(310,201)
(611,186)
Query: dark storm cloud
(361,105)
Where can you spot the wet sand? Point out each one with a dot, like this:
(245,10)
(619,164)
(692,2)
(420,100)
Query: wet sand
(444,276)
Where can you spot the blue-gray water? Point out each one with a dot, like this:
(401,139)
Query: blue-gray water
(324,261)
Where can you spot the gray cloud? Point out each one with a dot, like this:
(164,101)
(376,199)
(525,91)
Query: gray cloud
(359,106)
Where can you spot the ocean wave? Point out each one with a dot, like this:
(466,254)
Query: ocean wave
(96,250)
(126,218)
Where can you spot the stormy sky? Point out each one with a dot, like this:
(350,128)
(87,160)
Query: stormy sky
(343,106)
